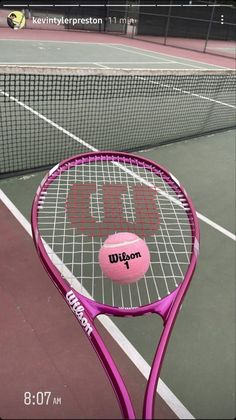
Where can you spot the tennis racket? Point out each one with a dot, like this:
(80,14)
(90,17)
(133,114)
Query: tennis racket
(90,196)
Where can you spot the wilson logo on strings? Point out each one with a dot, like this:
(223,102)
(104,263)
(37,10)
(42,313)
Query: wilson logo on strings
(101,210)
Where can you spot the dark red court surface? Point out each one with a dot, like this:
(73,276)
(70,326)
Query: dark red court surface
(43,348)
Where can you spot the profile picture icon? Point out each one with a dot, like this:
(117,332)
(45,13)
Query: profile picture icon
(16,20)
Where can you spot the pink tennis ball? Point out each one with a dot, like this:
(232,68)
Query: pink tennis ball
(124,257)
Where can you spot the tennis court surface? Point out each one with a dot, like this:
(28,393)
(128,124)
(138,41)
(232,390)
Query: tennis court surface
(66,93)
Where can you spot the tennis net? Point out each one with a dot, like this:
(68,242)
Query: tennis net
(49,114)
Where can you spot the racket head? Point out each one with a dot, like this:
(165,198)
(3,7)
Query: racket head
(166,220)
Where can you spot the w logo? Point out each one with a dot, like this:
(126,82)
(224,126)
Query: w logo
(112,208)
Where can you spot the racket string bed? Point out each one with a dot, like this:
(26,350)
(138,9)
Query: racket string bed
(170,246)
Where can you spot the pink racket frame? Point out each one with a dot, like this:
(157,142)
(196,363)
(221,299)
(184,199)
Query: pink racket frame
(167,308)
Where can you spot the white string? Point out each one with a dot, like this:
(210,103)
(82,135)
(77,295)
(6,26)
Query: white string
(84,261)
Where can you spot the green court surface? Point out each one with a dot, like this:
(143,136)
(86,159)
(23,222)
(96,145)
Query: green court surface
(95,55)
(199,367)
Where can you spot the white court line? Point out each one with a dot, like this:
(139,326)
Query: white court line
(135,52)
(18,63)
(53,41)
(88,65)
(173,56)
(217,227)
(101,65)
(140,363)
(187,92)
(47,64)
